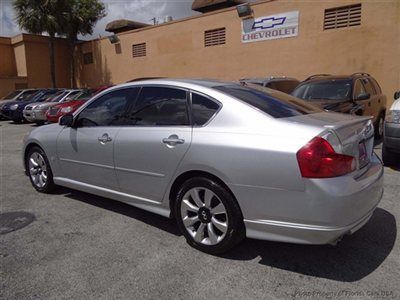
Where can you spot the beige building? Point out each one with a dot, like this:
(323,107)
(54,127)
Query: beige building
(335,37)
(24,62)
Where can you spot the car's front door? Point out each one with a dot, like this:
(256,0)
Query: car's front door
(374,98)
(86,150)
(148,151)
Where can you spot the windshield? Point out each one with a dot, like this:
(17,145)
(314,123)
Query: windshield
(26,95)
(329,90)
(272,102)
(12,95)
(84,95)
(56,96)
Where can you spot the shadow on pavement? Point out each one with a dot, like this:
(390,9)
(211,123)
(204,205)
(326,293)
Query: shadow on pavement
(149,218)
(350,260)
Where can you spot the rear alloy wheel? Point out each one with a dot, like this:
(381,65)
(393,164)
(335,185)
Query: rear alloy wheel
(208,216)
(380,123)
(39,170)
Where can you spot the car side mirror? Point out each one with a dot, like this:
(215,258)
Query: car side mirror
(66,120)
(363,96)
(397,95)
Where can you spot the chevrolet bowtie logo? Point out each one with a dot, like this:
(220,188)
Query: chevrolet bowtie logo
(267,23)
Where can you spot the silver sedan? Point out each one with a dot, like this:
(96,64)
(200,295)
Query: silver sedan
(225,160)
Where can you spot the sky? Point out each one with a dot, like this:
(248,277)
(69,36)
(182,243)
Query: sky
(138,10)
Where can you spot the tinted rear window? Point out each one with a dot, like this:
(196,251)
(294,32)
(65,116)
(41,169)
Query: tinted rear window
(272,102)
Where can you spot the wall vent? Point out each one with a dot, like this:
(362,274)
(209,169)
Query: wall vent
(214,37)
(344,16)
(139,50)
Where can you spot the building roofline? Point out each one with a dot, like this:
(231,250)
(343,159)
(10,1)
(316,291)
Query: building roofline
(201,15)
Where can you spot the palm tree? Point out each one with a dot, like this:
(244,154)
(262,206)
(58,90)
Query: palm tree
(80,18)
(39,16)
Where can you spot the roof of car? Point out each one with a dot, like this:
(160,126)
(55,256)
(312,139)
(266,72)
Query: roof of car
(170,81)
(267,79)
(319,77)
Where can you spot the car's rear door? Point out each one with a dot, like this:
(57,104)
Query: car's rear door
(149,150)
(86,150)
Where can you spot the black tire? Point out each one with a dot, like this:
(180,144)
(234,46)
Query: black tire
(235,227)
(389,157)
(378,127)
(39,123)
(17,121)
(49,183)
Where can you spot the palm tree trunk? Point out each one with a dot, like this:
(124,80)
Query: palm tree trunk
(72,62)
(52,62)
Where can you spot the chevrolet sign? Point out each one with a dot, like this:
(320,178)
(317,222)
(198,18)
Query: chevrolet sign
(270,27)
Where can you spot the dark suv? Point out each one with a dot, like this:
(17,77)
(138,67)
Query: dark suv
(358,94)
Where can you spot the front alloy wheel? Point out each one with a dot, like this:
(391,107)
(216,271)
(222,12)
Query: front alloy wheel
(39,170)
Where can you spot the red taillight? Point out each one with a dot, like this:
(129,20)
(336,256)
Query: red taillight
(318,159)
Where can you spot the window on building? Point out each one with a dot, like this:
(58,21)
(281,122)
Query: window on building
(214,37)
(139,50)
(88,58)
(344,16)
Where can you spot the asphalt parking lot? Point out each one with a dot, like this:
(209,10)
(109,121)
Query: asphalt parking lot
(83,246)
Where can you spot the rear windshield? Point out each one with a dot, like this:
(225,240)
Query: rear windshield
(327,90)
(272,102)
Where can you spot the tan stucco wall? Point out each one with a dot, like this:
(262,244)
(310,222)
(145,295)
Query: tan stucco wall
(177,49)
(7,59)
(25,59)
(8,84)
(37,62)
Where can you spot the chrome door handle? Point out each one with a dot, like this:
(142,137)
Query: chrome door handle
(104,138)
(173,140)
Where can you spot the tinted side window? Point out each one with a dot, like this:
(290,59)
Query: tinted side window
(203,109)
(160,106)
(368,86)
(108,110)
(286,86)
(358,88)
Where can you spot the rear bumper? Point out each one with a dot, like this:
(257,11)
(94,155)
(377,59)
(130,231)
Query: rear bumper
(392,136)
(302,233)
(326,210)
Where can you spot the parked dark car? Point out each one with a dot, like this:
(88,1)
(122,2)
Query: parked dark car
(13,96)
(283,84)
(358,94)
(391,137)
(13,110)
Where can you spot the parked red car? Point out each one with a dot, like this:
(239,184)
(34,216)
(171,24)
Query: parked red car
(55,112)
